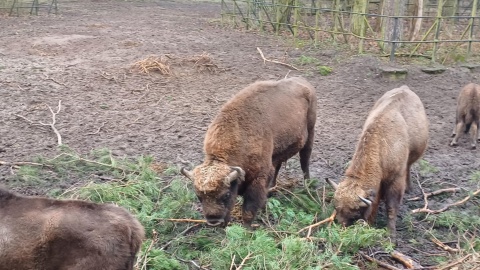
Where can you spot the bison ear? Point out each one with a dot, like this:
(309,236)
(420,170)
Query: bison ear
(186,173)
(333,184)
(237,173)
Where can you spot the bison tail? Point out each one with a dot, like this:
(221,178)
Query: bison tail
(467,127)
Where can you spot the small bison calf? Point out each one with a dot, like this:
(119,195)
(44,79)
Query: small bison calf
(394,136)
(468,114)
(48,234)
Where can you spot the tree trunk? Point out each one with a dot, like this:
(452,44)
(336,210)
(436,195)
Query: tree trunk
(417,21)
(359,6)
(393,31)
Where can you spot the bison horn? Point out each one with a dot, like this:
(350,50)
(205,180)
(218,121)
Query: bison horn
(187,173)
(367,201)
(236,173)
(333,184)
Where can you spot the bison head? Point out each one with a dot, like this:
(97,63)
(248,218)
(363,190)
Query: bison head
(216,186)
(351,202)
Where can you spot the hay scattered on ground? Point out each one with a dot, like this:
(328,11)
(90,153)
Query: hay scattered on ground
(153,64)
(163,64)
(203,62)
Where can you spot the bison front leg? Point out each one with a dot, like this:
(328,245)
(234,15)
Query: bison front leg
(393,199)
(254,198)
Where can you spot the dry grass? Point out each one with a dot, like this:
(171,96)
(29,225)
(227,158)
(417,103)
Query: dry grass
(203,62)
(153,64)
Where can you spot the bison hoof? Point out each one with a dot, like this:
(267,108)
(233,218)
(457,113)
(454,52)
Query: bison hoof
(453,134)
(474,146)
(453,144)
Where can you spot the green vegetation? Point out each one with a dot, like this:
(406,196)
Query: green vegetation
(324,70)
(426,168)
(157,196)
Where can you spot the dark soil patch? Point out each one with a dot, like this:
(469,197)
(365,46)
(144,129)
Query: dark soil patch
(84,56)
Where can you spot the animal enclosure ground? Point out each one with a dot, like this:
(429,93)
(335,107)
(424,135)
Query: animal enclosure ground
(85,56)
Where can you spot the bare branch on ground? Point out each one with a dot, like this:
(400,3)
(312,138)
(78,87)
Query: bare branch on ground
(52,124)
(274,61)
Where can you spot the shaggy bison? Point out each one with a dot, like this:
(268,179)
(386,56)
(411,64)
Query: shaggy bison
(42,233)
(468,114)
(259,128)
(394,136)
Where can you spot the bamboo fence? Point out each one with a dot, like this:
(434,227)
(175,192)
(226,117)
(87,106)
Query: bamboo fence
(445,33)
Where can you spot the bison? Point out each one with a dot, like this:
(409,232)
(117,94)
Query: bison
(262,126)
(48,234)
(394,136)
(468,114)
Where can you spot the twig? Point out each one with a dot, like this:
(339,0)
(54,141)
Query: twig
(53,80)
(443,246)
(16,164)
(51,125)
(154,240)
(329,219)
(98,130)
(233,263)
(429,211)
(273,61)
(382,264)
(184,220)
(449,266)
(408,262)
(184,232)
(437,192)
(244,261)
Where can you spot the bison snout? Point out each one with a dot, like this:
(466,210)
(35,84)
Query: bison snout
(214,220)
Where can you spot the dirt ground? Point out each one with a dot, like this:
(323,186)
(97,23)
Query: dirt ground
(83,57)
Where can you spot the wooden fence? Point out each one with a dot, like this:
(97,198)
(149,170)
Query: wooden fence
(441,30)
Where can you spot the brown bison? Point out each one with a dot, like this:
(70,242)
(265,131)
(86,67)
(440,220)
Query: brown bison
(468,114)
(394,136)
(48,234)
(259,128)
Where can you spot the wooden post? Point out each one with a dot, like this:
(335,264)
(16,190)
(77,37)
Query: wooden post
(278,15)
(317,12)
(295,19)
(472,20)
(437,29)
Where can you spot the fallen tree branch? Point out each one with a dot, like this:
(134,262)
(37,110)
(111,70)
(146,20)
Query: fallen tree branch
(184,220)
(437,192)
(408,262)
(52,124)
(450,265)
(249,255)
(274,61)
(329,219)
(443,246)
(379,263)
(16,164)
(429,211)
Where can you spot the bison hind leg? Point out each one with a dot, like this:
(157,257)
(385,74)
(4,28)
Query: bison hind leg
(474,135)
(458,131)
(305,154)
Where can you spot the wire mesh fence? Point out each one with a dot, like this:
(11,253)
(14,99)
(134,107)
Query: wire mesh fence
(440,30)
(16,7)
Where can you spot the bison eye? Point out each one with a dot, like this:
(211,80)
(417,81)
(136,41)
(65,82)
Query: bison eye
(225,197)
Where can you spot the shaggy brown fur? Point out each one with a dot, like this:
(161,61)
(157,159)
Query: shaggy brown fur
(394,136)
(259,128)
(468,114)
(47,234)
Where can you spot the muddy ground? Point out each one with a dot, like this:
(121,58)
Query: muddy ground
(83,57)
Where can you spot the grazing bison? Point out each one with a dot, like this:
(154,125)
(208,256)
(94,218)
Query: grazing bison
(394,136)
(47,234)
(259,128)
(468,114)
